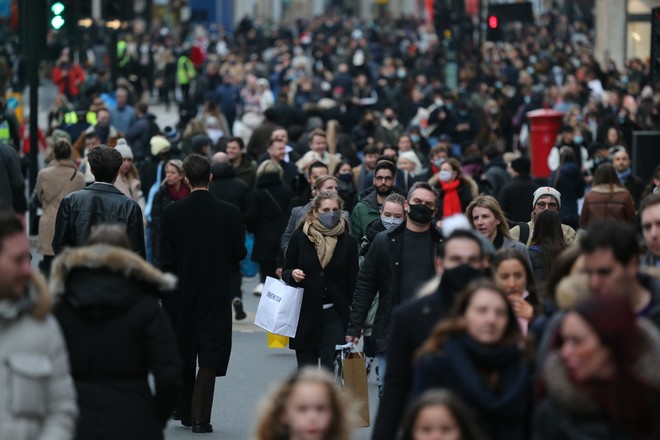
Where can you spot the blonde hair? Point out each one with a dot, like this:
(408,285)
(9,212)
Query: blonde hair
(176,163)
(322,196)
(270,167)
(318,184)
(272,408)
(490,203)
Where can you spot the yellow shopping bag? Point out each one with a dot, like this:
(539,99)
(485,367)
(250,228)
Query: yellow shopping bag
(277,341)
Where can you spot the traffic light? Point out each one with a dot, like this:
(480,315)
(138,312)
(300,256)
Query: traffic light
(493,33)
(655,46)
(57,20)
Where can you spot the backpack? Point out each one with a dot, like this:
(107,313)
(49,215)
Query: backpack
(524,232)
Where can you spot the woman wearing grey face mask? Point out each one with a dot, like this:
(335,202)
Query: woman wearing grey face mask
(322,258)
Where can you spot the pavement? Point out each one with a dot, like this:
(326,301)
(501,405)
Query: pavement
(253,370)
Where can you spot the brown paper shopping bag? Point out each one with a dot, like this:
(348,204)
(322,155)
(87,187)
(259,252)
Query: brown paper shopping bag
(277,341)
(355,380)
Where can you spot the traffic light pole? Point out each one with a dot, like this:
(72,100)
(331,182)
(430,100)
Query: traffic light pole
(34,49)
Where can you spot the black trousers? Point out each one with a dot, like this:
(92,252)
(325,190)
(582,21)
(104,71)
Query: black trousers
(267,269)
(333,333)
(196,395)
(235,281)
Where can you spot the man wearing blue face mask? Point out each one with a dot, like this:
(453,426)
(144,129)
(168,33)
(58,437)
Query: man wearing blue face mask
(398,263)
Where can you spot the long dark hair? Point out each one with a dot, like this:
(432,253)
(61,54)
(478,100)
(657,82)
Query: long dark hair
(505,254)
(454,324)
(548,237)
(458,410)
(606,175)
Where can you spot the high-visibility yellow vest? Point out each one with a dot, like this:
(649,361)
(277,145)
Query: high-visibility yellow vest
(185,70)
(122,54)
(4,131)
(71,118)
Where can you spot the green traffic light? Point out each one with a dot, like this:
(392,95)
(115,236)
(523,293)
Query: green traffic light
(57,22)
(57,8)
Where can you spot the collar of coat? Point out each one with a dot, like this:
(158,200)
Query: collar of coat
(567,394)
(119,260)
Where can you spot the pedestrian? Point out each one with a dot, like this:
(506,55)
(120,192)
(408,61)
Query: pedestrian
(488,219)
(459,259)
(173,189)
(266,216)
(547,243)
(322,258)
(481,338)
(601,375)
(37,395)
(202,238)
(649,214)
(439,414)
(399,262)
(118,335)
(346,185)
(621,161)
(101,202)
(308,405)
(455,192)
(513,274)
(544,198)
(568,180)
(56,181)
(367,209)
(12,184)
(128,179)
(607,199)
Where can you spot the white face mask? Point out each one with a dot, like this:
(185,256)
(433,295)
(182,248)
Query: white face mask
(391,222)
(445,176)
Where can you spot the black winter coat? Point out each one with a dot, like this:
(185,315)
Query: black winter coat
(162,199)
(412,323)
(201,242)
(464,195)
(381,274)
(98,203)
(570,184)
(117,333)
(517,197)
(337,281)
(227,187)
(266,215)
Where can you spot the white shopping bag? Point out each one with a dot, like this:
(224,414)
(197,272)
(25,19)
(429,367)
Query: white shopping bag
(279,308)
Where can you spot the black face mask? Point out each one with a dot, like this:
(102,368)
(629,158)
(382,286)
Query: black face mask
(457,278)
(420,213)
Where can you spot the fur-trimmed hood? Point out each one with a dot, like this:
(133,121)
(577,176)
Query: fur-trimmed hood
(567,394)
(114,259)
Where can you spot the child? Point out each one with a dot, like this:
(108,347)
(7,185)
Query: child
(439,415)
(308,406)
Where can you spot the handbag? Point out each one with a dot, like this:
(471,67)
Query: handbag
(249,268)
(279,308)
(354,372)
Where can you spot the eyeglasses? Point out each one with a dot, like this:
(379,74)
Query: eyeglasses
(544,205)
(384,178)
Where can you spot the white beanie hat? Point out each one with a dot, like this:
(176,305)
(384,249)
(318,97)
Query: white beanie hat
(546,191)
(124,149)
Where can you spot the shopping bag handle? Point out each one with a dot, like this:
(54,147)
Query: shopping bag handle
(353,350)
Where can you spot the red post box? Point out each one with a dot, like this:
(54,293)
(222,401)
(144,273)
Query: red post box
(544,126)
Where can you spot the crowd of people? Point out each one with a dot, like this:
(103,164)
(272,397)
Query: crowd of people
(491,304)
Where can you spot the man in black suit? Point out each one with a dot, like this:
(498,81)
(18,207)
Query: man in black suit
(459,260)
(201,240)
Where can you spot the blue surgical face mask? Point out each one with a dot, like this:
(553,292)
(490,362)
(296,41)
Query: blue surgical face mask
(445,176)
(391,222)
(438,162)
(415,138)
(578,140)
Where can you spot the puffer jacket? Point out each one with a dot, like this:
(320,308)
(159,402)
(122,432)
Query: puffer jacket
(37,396)
(601,203)
(117,334)
(568,413)
(98,203)
(380,274)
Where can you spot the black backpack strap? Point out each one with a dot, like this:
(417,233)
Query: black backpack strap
(524,232)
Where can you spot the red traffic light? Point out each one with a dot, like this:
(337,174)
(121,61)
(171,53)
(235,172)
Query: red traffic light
(493,22)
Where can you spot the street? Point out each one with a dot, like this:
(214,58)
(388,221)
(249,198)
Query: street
(253,370)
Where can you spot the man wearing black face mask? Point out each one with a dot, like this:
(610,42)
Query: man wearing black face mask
(398,263)
(459,260)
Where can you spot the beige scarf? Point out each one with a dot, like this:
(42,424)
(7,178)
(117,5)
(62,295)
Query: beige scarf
(324,239)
